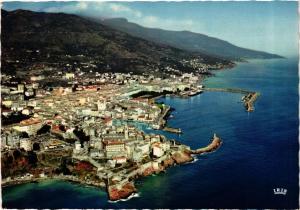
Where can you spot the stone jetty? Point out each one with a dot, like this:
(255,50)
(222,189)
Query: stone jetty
(215,144)
(172,130)
(249,100)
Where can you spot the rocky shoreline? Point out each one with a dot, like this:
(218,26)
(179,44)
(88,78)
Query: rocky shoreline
(126,189)
(72,179)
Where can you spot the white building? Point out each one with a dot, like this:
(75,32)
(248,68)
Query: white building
(120,160)
(26,144)
(137,155)
(26,111)
(77,148)
(70,75)
(165,146)
(144,147)
(95,153)
(101,105)
(10,139)
(37,78)
(157,151)
(129,147)
(21,88)
(30,126)
(114,148)
(155,138)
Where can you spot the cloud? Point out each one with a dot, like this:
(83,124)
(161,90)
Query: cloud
(171,24)
(121,9)
(117,9)
(78,7)
(95,9)
(150,20)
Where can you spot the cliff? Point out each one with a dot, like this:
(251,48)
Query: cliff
(182,157)
(123,192)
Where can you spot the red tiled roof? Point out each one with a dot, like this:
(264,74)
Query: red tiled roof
(113,142)
(107,119)
(30,121)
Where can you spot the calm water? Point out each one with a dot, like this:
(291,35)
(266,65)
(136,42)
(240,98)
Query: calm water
(259,151)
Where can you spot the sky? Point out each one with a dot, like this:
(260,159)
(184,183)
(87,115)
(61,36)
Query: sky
(270,26)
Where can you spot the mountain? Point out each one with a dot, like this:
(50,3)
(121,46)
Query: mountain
(36,40)
(186,40)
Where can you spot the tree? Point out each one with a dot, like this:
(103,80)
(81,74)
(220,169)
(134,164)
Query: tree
(16,154)
(24,135)
(36,146)
(32,158)
(44,129)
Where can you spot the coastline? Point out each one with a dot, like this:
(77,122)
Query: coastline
(126,189)
(67,178)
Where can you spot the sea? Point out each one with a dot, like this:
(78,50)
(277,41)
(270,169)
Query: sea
(259,151)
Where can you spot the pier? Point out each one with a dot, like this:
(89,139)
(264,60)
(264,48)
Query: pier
(172,130)
(161,121)
(230,90)
(215,144)
(248,99)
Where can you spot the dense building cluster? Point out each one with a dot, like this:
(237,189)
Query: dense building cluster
(95,117)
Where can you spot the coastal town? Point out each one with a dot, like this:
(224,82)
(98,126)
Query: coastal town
(87,131)
(149,105)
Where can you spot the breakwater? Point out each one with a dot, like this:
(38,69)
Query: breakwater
(215,144)
(230,90)
(248,99)
(172,130)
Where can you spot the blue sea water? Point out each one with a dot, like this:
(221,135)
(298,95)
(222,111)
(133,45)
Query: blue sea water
(259,151)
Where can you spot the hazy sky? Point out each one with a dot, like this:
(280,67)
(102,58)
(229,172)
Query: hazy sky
(269,26)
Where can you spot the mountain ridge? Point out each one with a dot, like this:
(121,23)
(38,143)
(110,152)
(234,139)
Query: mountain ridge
(59,38)
(187,40)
